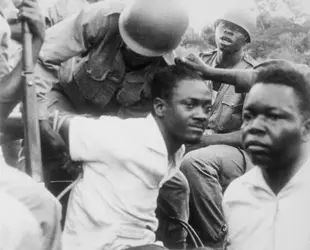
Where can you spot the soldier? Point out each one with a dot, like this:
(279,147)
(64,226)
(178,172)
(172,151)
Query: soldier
(101,60)
(219,158)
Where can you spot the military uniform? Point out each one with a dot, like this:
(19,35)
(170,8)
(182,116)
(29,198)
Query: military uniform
(209,170)
(83,71)
(95,80)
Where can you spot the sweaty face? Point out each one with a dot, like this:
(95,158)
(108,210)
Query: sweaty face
(229,37)
(188,110)
(272,125)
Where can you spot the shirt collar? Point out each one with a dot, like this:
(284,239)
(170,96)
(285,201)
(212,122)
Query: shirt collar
(156,142)
(255,177)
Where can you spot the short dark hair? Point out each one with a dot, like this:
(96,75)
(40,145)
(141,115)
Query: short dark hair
(282,72)
(166,79)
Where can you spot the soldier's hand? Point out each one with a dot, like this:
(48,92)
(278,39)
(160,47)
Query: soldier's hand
(30,11)
(193,62)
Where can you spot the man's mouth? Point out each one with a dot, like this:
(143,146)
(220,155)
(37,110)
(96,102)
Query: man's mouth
(199,128)
(226,39)
(255,146)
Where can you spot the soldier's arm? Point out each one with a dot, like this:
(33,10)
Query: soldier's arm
(242,79)
(69,38)
(232,139)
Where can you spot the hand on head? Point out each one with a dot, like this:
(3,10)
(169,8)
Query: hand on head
(193,62)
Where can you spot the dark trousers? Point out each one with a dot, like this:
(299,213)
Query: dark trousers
(173,202)
(209,171)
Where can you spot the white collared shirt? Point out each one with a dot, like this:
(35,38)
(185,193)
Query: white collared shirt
(126,162)
(260,220)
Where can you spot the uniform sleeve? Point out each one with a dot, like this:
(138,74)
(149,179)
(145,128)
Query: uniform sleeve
(244,80)
(67,39)
(95,139)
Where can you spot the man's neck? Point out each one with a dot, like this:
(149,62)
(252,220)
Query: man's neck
(172,143)
(277,177)
(228,60)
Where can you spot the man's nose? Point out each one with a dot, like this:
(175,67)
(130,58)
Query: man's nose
(256,126)
(201,114)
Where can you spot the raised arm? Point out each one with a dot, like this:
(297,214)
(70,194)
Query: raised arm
(242,79)
(69,38)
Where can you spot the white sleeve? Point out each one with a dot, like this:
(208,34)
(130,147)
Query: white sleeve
(92,139)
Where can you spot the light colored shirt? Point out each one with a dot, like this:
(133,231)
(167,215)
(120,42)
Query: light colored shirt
(45,208)
(18,227)
(260,220)
(126,162)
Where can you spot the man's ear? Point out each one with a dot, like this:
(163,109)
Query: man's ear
(305,132)
(159,106)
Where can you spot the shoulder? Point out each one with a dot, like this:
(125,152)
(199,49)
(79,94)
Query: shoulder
(249,60)
(30,193)
(205,56)
(240,188)
(18,227)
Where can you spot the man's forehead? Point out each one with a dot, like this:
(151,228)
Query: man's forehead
(193,88)
(271,95)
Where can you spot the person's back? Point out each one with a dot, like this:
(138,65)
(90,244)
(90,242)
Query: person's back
(44,207)
(18,228)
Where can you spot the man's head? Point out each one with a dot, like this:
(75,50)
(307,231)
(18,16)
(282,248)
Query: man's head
(234,29)
(182,102)
(276,114)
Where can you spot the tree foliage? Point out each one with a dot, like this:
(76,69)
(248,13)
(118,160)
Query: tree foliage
(278,37)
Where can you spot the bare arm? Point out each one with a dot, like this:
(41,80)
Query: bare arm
(11,88)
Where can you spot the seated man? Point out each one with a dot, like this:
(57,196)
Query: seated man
(268,207)
(126,161)
(218,158)
(42,205)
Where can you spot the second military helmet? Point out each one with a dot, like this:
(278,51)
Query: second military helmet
(243,17)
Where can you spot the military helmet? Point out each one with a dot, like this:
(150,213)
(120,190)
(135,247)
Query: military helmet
(243,17)
(153,27)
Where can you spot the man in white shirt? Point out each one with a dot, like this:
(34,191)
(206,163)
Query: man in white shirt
(268,208)
(126,161)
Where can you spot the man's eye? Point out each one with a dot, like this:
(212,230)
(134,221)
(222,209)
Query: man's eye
(274,116)
(247,116)
(190,105)
(208,108)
